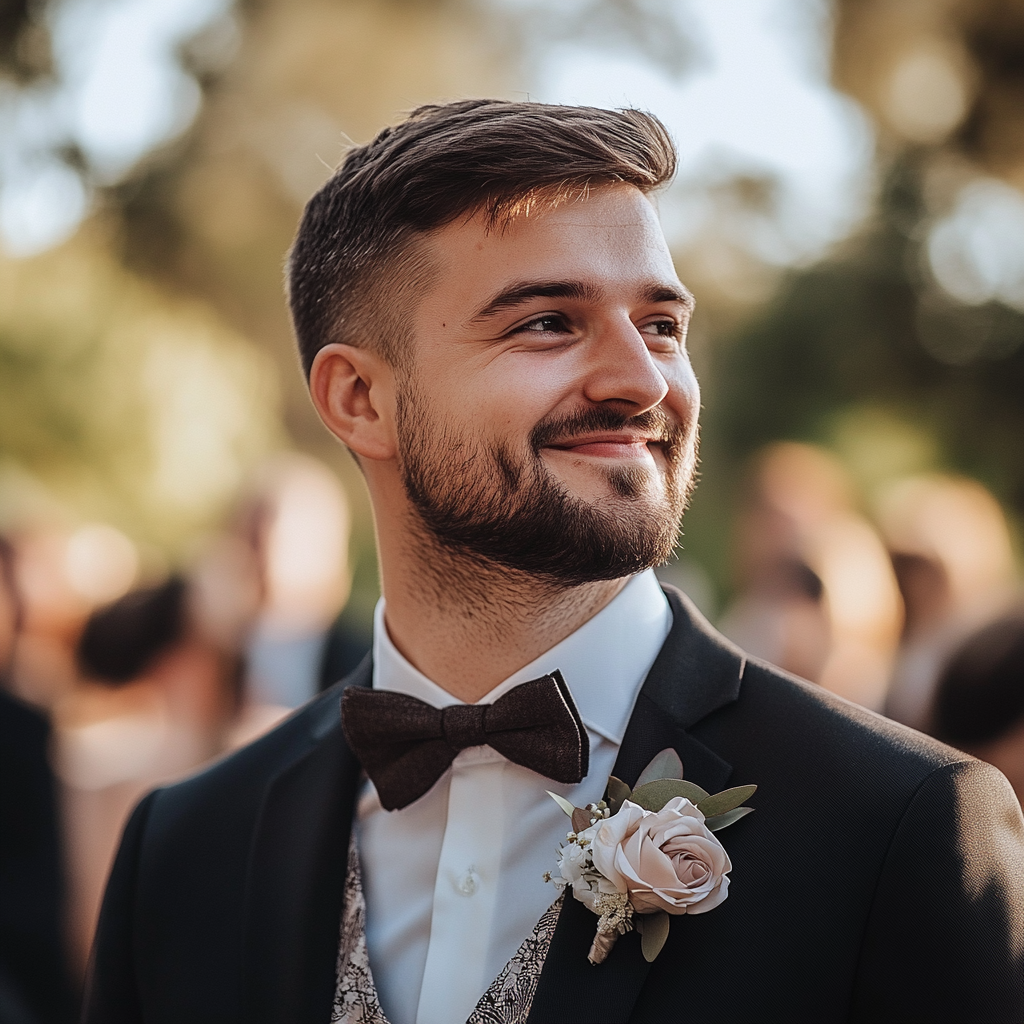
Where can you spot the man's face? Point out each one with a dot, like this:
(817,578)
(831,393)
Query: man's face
(548,419)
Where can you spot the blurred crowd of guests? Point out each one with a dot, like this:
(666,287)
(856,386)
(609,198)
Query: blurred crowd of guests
(914,611)
(112,684)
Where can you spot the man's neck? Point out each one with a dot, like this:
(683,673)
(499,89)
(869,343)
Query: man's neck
(467,625)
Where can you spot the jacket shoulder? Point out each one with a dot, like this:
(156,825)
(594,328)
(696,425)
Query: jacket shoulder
(836,732)
(762,711)
(231,790)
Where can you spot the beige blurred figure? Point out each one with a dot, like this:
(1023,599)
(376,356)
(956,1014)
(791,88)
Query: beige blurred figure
(817,595)
(951,551)
(157,693)
(296,521)
(63,574)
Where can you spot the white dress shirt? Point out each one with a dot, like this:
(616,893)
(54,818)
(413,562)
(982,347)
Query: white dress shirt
(454,882)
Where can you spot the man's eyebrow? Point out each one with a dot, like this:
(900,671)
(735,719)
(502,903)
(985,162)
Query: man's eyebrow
(668,293)
(523,291)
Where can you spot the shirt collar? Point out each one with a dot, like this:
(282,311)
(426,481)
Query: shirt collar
(604,662)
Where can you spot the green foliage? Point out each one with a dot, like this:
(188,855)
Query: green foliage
(125,404)
(618,793)
(566,805)
(653,796)
(665,765)
(867,328)
(727,800)
(660,782)
(720,821)
(653,930)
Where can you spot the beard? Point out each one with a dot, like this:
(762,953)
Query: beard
(486,504)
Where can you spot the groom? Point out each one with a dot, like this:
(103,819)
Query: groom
(491,323)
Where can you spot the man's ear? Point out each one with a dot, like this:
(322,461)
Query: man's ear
(353,390)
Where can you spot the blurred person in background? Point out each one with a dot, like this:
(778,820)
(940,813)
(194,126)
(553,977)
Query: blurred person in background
(950,548)
(299,525)
(63,573)
(35,985)
(491,322)
(817,596)
(979,699)
(159,693)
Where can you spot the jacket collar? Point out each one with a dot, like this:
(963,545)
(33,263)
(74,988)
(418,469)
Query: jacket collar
(697,672)
(296,873)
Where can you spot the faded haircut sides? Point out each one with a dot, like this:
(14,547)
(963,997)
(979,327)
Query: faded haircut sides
(355,261)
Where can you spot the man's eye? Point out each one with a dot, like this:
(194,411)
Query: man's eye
(664,328)
(544,325)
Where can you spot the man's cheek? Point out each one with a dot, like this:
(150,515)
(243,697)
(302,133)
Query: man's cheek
(683,392)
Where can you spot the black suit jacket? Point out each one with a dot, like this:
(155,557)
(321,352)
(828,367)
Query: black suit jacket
(881,877)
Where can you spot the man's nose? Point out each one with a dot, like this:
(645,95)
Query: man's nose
(622,368)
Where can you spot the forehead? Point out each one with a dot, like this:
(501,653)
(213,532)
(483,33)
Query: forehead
(612,240)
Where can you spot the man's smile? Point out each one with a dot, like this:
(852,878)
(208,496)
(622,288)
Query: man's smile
(609,445)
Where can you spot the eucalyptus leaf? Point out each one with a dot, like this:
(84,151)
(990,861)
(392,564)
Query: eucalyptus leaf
(655,934)
(562,802)
(720,821)
(617,792)
(726,800)
(665,765)
(654,795)
(580,820)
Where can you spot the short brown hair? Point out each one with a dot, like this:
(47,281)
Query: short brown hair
(355,243)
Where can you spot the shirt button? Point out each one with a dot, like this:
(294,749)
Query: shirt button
(469,883)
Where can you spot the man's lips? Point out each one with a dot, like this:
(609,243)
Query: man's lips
(611,445)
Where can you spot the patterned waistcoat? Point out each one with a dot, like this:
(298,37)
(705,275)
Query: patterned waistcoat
(507,1001)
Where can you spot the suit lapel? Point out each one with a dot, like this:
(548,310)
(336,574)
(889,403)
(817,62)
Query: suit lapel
(296,875)
(696,672)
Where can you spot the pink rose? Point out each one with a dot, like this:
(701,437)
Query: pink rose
(666,860)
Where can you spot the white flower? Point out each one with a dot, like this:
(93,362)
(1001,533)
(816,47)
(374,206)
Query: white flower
(576,867)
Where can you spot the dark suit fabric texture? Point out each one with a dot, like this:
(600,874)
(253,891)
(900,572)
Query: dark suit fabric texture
(35,976)
(880,879)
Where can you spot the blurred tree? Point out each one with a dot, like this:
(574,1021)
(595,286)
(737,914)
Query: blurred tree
(868,328)
(24,41)
(947,74)
(915,326)
(135,408)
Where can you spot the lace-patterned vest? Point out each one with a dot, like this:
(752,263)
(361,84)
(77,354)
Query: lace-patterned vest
(507,1001)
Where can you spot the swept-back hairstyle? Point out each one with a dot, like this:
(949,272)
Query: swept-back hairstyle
(355,257)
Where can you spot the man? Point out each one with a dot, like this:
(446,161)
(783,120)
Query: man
(491,323)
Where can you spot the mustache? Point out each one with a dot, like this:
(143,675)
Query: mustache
(654,422)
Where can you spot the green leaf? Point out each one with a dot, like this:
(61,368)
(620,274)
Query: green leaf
(616,793)
(580,820)
(654,795)
(655,933)
(729,818)
(665,765)
(562,802)
(726,800)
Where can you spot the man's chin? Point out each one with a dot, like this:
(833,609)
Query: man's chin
(601,481)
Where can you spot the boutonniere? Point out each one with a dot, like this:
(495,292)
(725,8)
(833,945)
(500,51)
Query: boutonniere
(637,857)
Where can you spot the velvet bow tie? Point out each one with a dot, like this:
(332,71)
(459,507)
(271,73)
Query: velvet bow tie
(405,745)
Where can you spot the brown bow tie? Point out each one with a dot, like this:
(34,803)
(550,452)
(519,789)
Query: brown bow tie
(405,745)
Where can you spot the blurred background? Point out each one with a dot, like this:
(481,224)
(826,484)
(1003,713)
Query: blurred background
(187,554)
